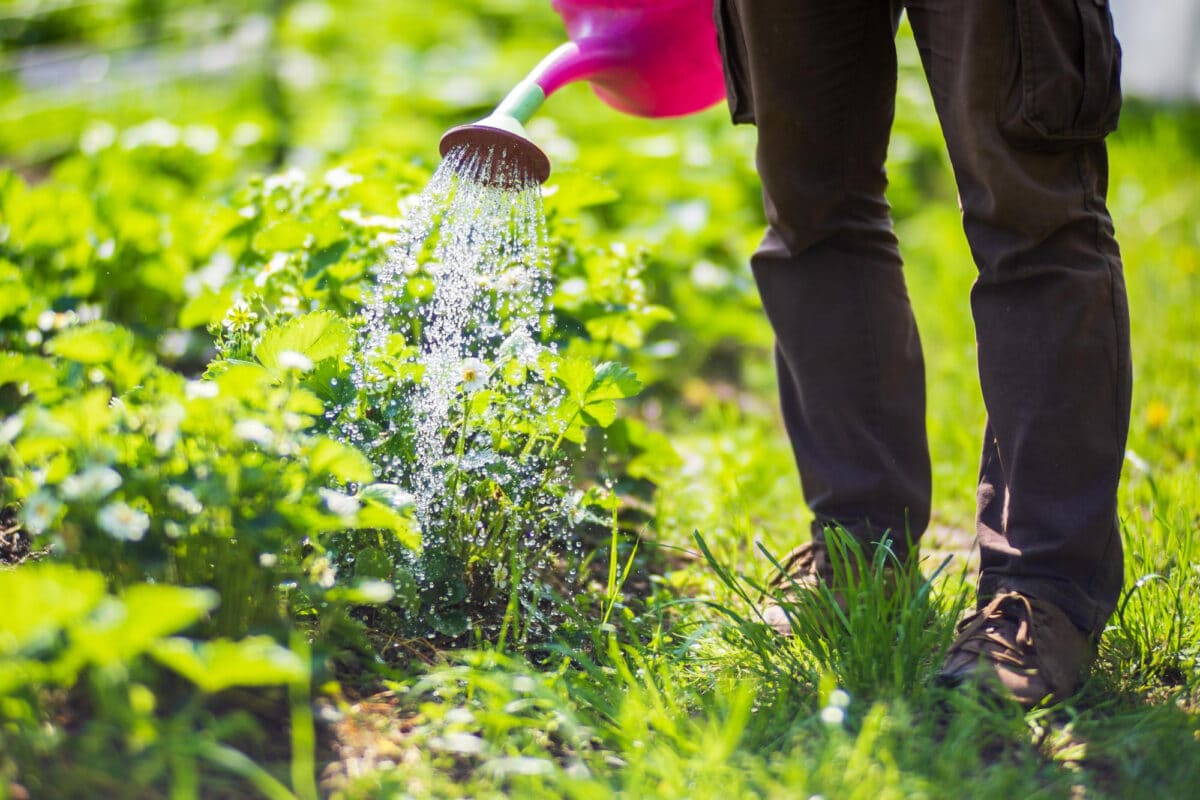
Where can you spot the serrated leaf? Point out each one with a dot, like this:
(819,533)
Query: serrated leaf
(341,461)
(242,380)
(614,381)
(94,343)
(600,412)
(575,375)
(318,336)
(223,663)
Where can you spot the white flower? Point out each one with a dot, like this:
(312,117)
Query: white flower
(39,512)
(285,180)
(473,374)
(709,276)
(200,389)
(211,276)
(513,281)
(202,139)
(239,317)
(174,343)
(98,136)
(56,320)
(290,359)
(11,428)
(462,743)
(267,560)
(323,573)
(277,264)
(355,217)
(339,503)
(341,178)
(33,337)
(254,431)
(289,302)
(375,591)
(246,134)
(184,500)
(123,522)
(152,133)
(832,715)
(573,287)
(94,483)
(839,698)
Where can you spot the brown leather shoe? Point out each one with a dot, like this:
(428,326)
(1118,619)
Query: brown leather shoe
(1021,648)
(805,569)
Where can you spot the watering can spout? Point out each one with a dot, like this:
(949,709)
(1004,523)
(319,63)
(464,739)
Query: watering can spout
(652,58)
(502,150)
(501,134)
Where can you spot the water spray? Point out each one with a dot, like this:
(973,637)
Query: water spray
(651,58)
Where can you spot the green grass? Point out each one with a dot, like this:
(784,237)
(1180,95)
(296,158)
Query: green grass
(671,687)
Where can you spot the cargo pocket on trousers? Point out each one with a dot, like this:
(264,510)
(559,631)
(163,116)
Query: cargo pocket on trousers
(733,57)
(1064,75)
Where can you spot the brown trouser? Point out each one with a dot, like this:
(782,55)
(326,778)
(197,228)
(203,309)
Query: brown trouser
(1025,91)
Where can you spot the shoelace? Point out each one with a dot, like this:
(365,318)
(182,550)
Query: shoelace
(797,563)
(993,626)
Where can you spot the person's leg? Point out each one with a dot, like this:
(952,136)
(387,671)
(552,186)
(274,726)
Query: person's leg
(819,81)
(1025,92)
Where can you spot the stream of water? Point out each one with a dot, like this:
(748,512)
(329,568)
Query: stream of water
(475,247)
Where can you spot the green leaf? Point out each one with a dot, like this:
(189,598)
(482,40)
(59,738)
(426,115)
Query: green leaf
(372,562)
(39,600)
(387,494)
(368,592)
(340,461)
(38,373)
(326,257)
(572,190)
(94,343)
(450,622)
(124,627)
(14,294)
(614,381)
(575,375)
(378,516)
(208,307)
(287,234)
(223,663)
(600,412)
(242,380)
(408,594)
(319,336)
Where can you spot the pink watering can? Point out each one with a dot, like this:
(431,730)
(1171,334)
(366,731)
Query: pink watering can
(652,58)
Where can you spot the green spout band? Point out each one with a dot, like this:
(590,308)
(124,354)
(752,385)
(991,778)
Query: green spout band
(521,103)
